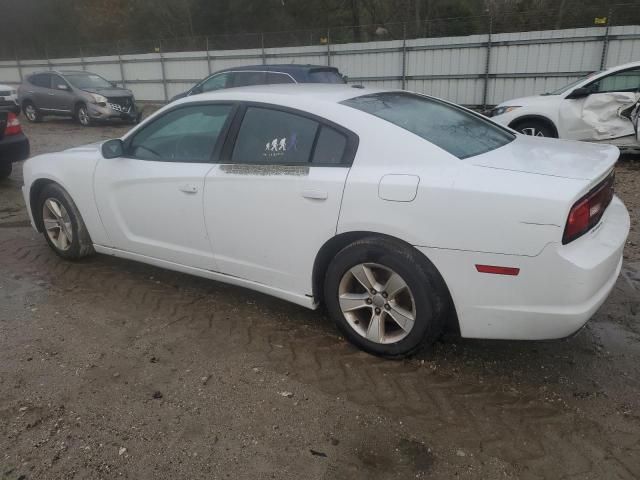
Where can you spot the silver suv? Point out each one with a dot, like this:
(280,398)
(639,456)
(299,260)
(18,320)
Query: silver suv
(85,96)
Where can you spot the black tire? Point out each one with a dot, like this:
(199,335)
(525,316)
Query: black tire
(430,295)
(31,112)
(536,128)
(82,115)
(81,244)
(5,169)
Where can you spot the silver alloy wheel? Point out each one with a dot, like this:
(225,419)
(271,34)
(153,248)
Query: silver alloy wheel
(30,112)
(377,303)
(532,131)
(57,224)
(83,116)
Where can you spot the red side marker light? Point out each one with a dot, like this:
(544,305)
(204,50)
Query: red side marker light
(498,270)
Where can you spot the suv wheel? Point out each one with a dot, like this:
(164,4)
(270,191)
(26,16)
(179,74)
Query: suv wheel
(82,114)
(384,298)
(31,112)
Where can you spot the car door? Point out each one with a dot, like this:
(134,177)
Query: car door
(602,112)
(39,90)
(151,199)
(275,198)
(60,96)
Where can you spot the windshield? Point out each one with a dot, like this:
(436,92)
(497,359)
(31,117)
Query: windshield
(87,80)
(455,130)
(571,85)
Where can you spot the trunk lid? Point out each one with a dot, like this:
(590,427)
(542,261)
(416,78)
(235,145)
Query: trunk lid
(551,157)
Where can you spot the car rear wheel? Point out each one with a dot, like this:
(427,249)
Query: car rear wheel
(63,226)
(32,113)
(535,128)
(384,298)
(5,170)
(82,114)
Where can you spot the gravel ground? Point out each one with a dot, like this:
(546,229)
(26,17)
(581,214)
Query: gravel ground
(112,369)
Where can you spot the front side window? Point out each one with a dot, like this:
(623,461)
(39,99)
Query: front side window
(85,81)
(270,136)
(187,134)
(626,81)
(461,133)
(216,82)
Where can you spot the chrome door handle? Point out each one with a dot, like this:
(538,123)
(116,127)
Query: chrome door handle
(189,189)
(314,194)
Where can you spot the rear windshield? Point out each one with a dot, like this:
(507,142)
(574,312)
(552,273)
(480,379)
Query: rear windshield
(325,76)
(459,132)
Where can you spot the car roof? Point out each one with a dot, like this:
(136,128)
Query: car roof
(321,92)
(285,68)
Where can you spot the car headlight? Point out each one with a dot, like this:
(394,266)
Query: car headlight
(502,110)
(99,99)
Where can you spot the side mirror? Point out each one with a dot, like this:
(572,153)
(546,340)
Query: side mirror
(113,148)
(580,93)
(114,84)
(62,87)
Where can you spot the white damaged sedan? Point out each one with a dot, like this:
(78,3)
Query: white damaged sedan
(401,213)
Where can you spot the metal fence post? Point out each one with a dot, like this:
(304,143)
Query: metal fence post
(124,81)
(84,67)
(485,90)
(605,41)
(404,56)
(263,54)
(328,47)
(164,75)
(18,65)
(208,54)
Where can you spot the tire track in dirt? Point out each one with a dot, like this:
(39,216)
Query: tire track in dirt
(518,428)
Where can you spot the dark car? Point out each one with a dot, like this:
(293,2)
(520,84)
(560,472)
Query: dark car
(265,75)
(85,96)
(14,145)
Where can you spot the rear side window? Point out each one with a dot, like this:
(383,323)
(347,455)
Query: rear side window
(41,80)
(274,78)
(216,82)
(330,147)
(245,79)
(325,76)
(274,137)
(461,133)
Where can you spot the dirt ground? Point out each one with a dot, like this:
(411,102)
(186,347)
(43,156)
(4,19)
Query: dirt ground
(112,369)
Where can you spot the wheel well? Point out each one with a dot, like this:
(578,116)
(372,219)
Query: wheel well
(78,104)
(331,248)
(536,118)
(34,194)
(26,102)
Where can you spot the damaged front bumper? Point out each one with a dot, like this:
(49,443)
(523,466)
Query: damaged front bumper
(115,110)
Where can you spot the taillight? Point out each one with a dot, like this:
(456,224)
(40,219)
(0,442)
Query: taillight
(13,125)
(588,211)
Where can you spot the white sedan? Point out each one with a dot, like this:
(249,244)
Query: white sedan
(402,213)
(602,107)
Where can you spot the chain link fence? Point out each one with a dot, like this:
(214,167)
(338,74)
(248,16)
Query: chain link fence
(507,21)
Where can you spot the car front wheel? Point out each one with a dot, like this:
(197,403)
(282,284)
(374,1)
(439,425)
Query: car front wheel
(535,128)
(82,114)
(62,224)
(384,298)
(32,113)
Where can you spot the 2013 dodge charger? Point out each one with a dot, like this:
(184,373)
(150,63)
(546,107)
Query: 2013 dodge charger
(400,212)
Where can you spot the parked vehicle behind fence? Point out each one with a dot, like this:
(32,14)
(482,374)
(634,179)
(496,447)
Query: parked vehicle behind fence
(265,75)
(85,96)
(9,99)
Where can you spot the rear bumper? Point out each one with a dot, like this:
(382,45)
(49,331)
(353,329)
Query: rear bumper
(553,296)
(14,148)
